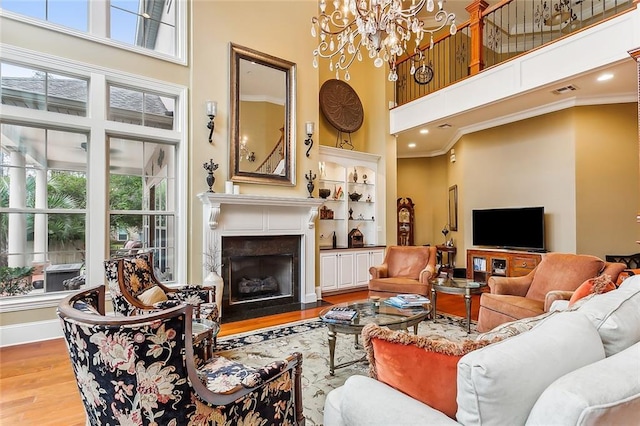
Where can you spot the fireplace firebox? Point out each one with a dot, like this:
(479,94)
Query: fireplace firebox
(260,272)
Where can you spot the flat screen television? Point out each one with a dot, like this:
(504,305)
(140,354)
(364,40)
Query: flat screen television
(513,228)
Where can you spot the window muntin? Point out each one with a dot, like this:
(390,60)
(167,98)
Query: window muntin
(43,189)
(37,89)
(142,195)
(149,24)
(69,13)
(127,105)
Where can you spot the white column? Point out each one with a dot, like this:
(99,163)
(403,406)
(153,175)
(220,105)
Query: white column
(17,234)
(40,220)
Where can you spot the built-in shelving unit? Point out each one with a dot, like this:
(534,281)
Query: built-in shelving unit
(345,172)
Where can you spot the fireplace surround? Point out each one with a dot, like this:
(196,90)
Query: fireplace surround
(267,247)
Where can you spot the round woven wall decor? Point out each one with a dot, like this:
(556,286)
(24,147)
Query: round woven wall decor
(341,106)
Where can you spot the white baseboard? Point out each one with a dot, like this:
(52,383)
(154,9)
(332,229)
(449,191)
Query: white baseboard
(29,332)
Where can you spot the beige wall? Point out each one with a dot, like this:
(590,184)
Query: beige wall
(424,180)
(607,185)
(581,164)
(278,28)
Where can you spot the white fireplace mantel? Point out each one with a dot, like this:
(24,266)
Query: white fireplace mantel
(215,202)
(263,215)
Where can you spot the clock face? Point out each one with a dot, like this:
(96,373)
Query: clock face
(423,74)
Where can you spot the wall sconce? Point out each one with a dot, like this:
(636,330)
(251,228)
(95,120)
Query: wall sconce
(212,109)
(308,126)
(452,158)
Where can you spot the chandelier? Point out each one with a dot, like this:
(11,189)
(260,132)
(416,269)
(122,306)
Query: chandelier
(383,27)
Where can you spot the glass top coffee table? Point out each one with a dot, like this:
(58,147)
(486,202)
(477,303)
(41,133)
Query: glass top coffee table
(458,286)
(372,311)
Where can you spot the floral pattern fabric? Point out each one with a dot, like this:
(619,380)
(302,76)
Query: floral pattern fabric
(136,374)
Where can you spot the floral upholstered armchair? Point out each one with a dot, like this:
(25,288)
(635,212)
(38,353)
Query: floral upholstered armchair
(135,289)
(141,370)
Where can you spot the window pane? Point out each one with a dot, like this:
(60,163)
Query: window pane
(125,105)
(142,108)
(23,87)
(70,13)
(149,24)
(67,95)
(35,89)
(33,8)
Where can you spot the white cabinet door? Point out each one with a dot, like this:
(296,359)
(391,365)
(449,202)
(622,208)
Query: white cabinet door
(362,267)
(377,257)
(346,264)
(328,271)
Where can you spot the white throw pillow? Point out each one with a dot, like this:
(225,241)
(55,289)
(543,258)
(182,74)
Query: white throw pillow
(616,315)
(606,392)
(152,295)
(500,383)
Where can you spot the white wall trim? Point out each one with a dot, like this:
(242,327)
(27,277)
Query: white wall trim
(30,332)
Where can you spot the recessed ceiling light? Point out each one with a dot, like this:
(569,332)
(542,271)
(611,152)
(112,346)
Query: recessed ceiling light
(412,145)
(605,77)
(424,131)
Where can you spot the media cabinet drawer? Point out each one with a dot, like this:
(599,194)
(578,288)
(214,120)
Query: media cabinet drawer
(522,265)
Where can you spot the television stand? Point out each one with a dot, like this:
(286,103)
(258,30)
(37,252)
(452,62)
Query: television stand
(484,263)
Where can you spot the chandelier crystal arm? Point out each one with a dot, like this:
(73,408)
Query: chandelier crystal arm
(383,27)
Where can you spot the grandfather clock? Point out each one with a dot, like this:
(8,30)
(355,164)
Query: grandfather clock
(405,221)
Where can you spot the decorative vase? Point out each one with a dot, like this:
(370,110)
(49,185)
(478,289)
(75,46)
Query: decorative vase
(355,175)
(214,280)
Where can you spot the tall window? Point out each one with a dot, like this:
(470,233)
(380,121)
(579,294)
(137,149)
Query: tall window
(142,190)
(155,26)
(43,185)
(56,183)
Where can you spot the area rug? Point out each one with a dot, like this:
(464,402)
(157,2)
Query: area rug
(309,337)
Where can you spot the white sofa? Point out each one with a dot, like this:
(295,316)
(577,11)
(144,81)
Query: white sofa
(572,368)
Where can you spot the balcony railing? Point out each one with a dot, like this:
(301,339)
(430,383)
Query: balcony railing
(496,34)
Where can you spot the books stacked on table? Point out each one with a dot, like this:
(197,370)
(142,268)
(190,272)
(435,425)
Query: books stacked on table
(340,315)
(407,301)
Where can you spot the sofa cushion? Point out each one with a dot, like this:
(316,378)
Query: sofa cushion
(368,402)
(606,392)
(598,285)
(616,315)
(500,383)
(422,367)
(399,285)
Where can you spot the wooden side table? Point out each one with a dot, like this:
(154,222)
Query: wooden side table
(449,265)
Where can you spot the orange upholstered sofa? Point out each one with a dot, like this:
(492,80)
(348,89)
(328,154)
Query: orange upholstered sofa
(406,269)
(514,298)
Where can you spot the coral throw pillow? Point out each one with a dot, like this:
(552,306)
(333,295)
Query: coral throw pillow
(598,285)
(423,367)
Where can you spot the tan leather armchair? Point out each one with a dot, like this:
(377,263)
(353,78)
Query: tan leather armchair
(557,275)
(406,269)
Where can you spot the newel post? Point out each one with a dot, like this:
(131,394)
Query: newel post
(476,25)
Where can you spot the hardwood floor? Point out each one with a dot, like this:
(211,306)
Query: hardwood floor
(38,387)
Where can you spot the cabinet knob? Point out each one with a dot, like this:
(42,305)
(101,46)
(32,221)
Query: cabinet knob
(524,264)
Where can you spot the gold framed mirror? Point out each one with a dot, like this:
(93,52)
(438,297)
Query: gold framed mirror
(262,143)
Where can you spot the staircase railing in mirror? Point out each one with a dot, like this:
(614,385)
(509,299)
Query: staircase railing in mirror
(496,34)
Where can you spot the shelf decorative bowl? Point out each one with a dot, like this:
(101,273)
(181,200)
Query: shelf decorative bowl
(355,196)
(324,193)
